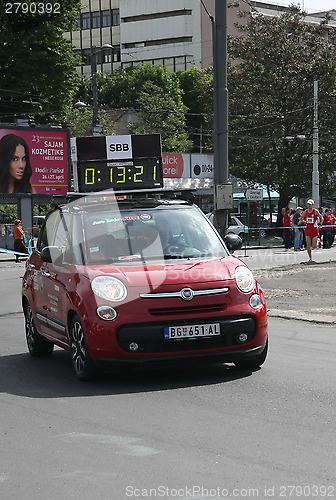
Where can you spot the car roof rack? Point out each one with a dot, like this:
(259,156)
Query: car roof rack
(110,195)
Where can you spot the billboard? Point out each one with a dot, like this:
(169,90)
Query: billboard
(176,165)
(34,160)
(202,166)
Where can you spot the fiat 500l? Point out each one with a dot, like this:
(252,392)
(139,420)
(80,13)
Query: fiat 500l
(143,280)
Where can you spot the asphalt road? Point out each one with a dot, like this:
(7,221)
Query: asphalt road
(191,431)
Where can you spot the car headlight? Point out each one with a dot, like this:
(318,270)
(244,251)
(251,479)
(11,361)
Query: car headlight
(109,288)
(244,279)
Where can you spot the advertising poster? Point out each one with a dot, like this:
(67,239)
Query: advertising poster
(34,160)
(202,166)
(176,165)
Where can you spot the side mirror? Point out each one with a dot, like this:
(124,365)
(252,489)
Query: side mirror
(51,254)
(233,242)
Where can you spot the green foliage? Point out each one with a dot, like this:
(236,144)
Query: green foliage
(197,86)
(8,213)
(80,121)
(276,61)
(38,78)
(156,96)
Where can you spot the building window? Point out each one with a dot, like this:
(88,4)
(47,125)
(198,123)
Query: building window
(115,17)
(85,21)
(106,18)
(95,20)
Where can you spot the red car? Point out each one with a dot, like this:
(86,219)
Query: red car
(139,280)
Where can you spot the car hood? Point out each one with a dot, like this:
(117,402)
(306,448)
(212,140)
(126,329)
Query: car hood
(171,273)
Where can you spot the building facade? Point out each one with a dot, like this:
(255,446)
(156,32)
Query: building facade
(176,33)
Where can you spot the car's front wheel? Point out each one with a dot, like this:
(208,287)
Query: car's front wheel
(254,362)
(82,362)
(37,345)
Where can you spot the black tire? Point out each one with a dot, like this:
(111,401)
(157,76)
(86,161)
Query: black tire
(37,345)
(263,233)
(254,362)
(82,362)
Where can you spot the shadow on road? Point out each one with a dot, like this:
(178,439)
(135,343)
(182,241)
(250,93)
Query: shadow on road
(53,377)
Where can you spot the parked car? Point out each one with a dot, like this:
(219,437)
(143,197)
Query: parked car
(235,226)
(139,281)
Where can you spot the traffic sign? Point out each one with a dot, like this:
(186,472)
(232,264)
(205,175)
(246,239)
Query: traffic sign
(254,194)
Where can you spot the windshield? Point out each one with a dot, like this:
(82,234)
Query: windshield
(147,234)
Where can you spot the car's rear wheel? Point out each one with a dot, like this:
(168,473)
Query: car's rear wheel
(37,345)
(255,361)
(82,362)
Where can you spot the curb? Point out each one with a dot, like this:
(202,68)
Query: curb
(317,320)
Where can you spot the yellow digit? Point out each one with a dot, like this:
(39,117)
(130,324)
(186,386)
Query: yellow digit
(111,175)
(121,175)
(89,176)
(154,173)
(138,174)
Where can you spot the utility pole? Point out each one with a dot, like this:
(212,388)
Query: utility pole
(223,199)
(315,174)
(94,89)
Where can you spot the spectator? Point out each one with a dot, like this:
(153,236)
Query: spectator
(287,224)
(19,245)
(327,228)
(298,231)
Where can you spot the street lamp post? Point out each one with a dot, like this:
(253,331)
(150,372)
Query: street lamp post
(95,104)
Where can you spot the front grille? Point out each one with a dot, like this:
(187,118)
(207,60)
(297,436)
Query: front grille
(171,311)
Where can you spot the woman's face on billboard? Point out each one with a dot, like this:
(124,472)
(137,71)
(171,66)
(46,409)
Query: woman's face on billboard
(17,164)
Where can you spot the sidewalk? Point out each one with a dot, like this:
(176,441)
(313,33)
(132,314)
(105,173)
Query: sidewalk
(293,289)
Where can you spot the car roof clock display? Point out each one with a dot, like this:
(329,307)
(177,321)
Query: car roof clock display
(119,162)
(132,279)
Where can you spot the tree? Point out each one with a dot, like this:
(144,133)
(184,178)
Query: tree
(80,121)
(274,62)
(197,87)
(38,78)
(157,97)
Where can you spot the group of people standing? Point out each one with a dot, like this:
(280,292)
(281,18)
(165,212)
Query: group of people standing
(307,227)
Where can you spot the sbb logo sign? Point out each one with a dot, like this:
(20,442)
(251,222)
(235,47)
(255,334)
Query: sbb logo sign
(119,147)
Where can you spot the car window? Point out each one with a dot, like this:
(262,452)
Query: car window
(47,235)
(128,235)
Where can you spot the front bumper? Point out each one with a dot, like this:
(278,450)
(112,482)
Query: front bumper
(220,357)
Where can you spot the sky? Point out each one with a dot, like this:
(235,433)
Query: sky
(308,5)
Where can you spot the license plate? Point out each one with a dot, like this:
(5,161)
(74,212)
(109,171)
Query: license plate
(191,331)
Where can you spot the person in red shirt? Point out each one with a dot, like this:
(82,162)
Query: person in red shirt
(19,245)
(313,219)
(287,224)
(328,228)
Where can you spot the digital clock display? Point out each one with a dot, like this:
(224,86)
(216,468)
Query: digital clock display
(136,174)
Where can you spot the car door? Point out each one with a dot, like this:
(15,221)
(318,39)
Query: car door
(53,277)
